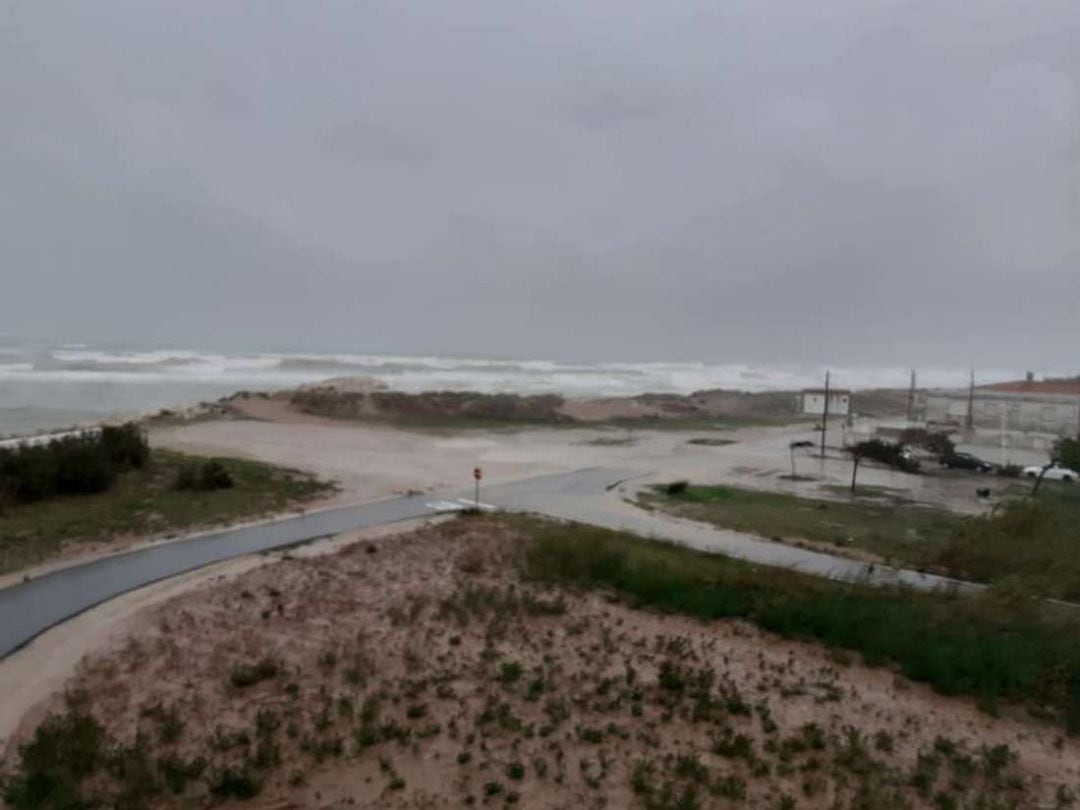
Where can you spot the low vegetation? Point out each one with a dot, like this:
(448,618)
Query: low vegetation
(167,493)
(207,475)
(76,465)
(891,454)
(1029,545)
(702,411)
(1066,452)
(936,442)
(474,687)
(994,647)
(514,672)
(887,528)
(432,408)
(1025,545)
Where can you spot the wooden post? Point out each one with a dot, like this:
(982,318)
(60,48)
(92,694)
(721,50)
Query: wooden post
(911,399)
(971,402)
(854,472)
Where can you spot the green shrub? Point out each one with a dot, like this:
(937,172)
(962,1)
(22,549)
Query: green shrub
(510,672)
(1071,710)
(64,751)
(73,466)
(677,487)
(937,442)
(177,772)
(888,453)
(1029,542)
(204,476)
(77,465)
(235,782)
(126,445)
(243,675)
(1066,452)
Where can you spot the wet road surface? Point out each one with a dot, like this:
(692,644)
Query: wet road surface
(589,496)
(33,606)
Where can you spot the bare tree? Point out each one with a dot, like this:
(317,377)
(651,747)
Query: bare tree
(856,457)
(1042,473)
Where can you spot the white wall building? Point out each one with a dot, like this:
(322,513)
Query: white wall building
(1042,408)
(812,401)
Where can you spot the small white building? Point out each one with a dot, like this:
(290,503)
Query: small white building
(812,401)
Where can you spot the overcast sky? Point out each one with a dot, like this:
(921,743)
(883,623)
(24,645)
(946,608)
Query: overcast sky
(843,181)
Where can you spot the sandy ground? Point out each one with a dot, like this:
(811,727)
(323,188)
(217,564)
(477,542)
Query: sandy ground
(372,462)
(36,672)
(418,670)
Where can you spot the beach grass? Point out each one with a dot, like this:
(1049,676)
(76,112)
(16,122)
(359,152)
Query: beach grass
(890,529)
(996,647)
(702,423)
(1028,544)
(146,502)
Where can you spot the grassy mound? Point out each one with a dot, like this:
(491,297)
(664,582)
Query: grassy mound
(1010,651)
(148,501)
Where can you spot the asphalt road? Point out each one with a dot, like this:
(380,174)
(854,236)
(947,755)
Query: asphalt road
(590,496)
(31,607)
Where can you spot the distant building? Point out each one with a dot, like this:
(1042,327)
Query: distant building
(812,401)
(1049,407)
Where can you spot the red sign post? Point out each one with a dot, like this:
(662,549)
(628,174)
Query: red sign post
(477,473)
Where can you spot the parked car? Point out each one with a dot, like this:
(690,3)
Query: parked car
(1055,472)
(966,461)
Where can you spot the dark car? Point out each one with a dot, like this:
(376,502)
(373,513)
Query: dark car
(966,461)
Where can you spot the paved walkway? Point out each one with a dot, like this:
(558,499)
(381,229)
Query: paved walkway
(589,496)
(597,497)
(33,606)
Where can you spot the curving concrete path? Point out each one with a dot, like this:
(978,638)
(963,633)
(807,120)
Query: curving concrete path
(589,496)
(33,606)
(596,496)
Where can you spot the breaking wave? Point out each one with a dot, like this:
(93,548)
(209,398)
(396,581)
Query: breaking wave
(97,382)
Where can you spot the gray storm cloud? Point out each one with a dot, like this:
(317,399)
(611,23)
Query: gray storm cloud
(847,181)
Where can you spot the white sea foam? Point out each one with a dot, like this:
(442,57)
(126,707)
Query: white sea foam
(82,379)
(425,372)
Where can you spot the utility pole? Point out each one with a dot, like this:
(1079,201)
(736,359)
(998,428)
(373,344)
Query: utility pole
(971,402)
(825,415)
(1004,419)
(911,399)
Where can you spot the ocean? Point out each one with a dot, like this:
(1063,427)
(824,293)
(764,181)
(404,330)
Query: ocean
(51,387)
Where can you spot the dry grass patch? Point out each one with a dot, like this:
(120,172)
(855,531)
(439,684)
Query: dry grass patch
(421,670)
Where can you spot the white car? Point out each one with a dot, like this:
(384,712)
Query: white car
(1055,472)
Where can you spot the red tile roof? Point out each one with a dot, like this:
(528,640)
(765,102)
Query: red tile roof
(1070,388)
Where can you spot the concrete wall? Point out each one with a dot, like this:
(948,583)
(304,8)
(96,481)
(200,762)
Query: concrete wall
(1036,413)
